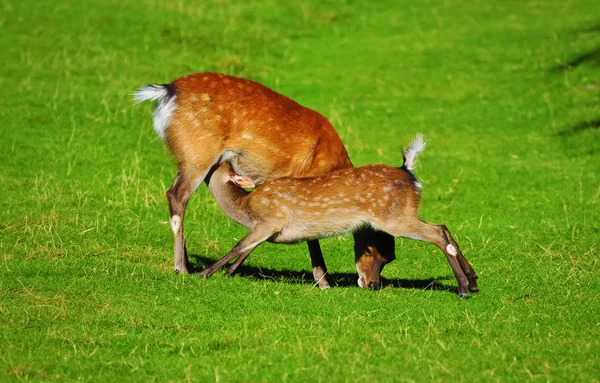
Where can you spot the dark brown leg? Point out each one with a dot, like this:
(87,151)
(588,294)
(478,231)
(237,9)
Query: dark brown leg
(464,264)
(316,257)
(231,269)
(318,264)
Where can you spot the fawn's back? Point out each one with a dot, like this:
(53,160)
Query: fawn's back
(334,203)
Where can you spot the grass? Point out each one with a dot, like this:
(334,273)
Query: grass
(507,92)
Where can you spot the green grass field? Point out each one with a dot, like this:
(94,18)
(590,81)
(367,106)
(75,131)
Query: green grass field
(506,92)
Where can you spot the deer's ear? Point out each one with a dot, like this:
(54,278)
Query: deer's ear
(242,181)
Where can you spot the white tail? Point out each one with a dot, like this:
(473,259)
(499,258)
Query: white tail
(165,95)
(410,154)
(151,92)
(289,210)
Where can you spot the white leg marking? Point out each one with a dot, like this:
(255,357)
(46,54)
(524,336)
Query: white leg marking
(175,224)
(451,250)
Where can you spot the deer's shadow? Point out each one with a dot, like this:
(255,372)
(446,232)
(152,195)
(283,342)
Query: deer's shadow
(336,279)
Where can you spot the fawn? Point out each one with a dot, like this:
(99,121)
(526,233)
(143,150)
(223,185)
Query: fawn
(208,118)
(289,210)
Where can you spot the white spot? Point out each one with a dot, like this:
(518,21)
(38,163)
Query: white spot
(451,250)
(361,279)
(247,136)
(418,185)
(175,224)
(164,108)
(361,283)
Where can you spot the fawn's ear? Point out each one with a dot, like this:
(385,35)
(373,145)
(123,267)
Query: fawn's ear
(242,181)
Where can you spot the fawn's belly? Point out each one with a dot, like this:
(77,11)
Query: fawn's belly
(316,227)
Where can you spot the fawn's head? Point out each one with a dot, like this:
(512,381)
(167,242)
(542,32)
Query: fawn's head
(373,250)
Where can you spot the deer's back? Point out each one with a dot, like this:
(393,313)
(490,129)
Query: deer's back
(263,134)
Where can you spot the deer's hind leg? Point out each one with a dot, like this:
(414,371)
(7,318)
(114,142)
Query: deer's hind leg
(440,236)
(189,176)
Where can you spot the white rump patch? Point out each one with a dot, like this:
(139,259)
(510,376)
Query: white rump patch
(164,108)
(162,116)
(451,250)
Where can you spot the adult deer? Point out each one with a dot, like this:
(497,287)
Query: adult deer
(208,118)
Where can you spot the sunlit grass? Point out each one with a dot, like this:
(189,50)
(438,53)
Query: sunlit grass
(507,93)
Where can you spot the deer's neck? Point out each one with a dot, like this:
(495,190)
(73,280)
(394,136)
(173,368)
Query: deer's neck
(231,199)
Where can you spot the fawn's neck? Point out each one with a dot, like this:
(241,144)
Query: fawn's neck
(231,199)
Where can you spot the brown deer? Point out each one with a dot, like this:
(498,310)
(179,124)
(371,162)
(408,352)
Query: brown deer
(208,118)
(290,210)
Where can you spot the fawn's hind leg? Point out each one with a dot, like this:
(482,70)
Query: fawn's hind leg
(440,236)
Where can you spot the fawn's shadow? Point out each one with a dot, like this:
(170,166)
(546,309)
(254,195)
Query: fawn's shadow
(336,279)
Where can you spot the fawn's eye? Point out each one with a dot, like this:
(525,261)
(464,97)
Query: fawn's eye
(368,250)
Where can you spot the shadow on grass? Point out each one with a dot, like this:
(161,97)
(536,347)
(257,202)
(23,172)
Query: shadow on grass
(336,279)
(580,127)
(592,56)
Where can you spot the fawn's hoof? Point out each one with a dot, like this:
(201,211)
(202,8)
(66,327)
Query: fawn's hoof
(463,295)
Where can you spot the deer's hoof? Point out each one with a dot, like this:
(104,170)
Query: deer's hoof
(374,285)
